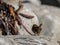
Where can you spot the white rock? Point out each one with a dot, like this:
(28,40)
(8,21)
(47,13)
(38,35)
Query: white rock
(27,22)
(7,41)
(50,18)
(27,40)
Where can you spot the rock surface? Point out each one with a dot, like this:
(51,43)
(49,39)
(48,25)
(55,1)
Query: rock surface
(26,40)
(28,23)
(49,16)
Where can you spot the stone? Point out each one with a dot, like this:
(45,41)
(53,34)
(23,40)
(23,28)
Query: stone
(27,22)
(26,40)
(7,41)
(49,16)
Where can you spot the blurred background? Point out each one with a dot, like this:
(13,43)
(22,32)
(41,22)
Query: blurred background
(51,2)
(44,2)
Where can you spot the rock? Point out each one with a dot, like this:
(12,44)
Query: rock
(7,41)
(50,13)
(50,19)
(49,16)
(27,22)
(27,40)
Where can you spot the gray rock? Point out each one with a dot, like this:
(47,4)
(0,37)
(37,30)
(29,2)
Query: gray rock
(27,40)
(50,18)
